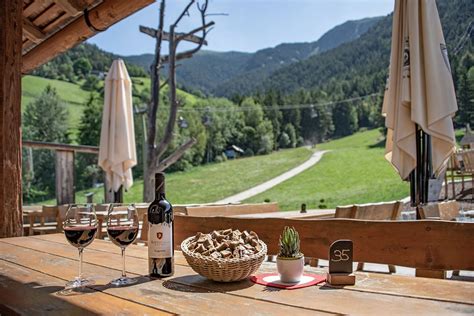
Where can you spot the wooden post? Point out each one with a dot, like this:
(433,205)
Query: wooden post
(108,193)
(11,23)
(64,177)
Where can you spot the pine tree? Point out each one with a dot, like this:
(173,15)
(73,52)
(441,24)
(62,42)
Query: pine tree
(45,120)
(345,119)
(88,172)
(90,122)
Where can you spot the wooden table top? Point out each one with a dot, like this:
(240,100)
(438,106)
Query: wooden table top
(33,271)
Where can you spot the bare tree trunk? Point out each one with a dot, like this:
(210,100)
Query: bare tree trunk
(148,176)
(154,153)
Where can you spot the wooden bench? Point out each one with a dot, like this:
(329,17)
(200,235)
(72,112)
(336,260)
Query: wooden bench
(371,211)
(30,212)
(49,222)
(447,211)
(423,244)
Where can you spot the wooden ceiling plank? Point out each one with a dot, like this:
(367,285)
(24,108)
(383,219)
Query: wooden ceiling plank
(26,3)
(102,16)
(62,20)
(32,31)
(36,7)
(47,16)
(72,7)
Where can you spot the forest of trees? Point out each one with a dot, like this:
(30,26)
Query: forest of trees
(85,61)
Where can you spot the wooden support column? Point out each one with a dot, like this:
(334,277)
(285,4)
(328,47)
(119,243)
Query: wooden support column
(65,177)
(11,23)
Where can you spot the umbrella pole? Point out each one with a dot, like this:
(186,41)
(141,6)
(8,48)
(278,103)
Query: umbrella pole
(413,188)
(118,196)
(419,178)
(418,171)
(427,166)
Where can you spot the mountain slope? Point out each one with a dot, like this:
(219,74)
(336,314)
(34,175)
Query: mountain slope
(364,62)
(212,72)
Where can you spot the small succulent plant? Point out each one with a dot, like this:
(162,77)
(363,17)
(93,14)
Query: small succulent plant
(289,243)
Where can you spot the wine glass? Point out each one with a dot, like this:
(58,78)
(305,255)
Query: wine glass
(122,228)
(80,228)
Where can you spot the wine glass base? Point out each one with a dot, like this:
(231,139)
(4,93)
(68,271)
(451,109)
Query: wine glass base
(122,281)
(79,283)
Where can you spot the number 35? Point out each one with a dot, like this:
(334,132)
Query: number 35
(341,255)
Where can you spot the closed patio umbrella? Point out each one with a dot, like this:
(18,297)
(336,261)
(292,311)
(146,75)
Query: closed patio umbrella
(419,101)
(117,152)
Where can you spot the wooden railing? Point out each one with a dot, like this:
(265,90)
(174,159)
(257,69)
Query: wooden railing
(422,244)
(64,166)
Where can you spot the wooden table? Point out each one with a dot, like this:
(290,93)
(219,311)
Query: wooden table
(34,269)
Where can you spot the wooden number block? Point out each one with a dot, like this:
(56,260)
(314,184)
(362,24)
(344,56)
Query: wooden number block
(341,278)
(340,263)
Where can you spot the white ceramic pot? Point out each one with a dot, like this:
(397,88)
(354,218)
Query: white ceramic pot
(290,269)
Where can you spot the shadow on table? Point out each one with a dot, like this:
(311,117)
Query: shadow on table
(271,289)
(139,280)
(198,284)
(462,278)
(328,287)
(35,298)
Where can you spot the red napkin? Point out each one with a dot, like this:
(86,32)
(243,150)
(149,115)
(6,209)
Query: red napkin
(273,280)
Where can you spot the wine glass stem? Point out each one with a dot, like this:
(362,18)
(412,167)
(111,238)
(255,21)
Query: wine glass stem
(123,263)
(80,262)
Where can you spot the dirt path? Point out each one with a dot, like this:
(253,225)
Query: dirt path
(275,181)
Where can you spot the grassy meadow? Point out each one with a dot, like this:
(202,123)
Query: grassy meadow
(354,171)
(209,183)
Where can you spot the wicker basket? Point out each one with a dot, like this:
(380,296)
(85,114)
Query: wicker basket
(223,270)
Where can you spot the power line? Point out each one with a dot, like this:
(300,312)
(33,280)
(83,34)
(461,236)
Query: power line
(463,40)
(277,107)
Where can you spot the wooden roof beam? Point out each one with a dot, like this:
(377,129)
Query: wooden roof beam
(102,16)
(32,32)
(72,7)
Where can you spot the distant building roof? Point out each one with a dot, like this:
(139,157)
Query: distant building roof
(236,148)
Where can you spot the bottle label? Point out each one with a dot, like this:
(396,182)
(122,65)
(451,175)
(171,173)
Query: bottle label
(160,241)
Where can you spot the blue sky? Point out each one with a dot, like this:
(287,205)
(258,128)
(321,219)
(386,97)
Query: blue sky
(250,25)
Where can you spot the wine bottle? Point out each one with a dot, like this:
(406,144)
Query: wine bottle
(160,232)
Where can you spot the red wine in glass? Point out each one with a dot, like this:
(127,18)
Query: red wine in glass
(122,229)
(122,236)
(80,228)
(80,236)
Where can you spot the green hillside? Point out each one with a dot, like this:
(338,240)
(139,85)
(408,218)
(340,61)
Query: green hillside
(354,171)
(74,96)
(266,61)
(208,183)
(360,67)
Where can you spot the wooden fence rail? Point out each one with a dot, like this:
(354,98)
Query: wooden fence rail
(65,192)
